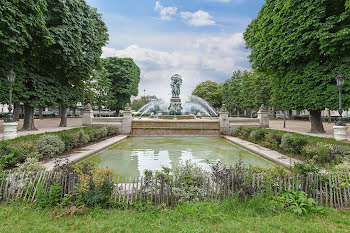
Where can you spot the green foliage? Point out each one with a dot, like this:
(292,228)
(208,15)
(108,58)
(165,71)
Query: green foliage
(303,44)
(189,177)
(139,103)
(306,167)
(125,77)
(31,165)
(209,91)
(50,199)
(50,145)
(293,144)
(298,203)
(98,196)
(258,135)
(247,90)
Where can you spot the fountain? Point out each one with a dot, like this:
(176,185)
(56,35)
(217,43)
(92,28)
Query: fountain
(194,108)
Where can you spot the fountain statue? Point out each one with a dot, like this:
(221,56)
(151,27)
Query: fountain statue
(175,107)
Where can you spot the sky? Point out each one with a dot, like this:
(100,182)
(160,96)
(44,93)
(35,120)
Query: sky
(198,39)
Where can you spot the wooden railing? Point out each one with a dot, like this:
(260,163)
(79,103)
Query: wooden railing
(331,190)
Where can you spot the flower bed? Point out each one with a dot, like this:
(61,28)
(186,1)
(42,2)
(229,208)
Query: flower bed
(322,151)
(49,145)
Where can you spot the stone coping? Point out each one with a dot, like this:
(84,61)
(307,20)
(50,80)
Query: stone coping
(174,121)
(269,154)
(84,152)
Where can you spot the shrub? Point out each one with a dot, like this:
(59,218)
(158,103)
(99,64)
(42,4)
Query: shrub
(306,167)
(298,202)
(271,141)
(50,145)
(71,140)
(190,178)
(50,199)
(258,135)
(112,130)
(343,167)
(293,144)
(237,132)
(83,137)
(103,132)
(31,165)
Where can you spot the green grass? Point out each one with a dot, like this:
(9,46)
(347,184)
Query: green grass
(228,216)
(309,138)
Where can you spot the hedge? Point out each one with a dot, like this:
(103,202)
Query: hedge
(49,145)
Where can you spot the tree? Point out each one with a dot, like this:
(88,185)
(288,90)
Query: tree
(23,34)
(125,77)
(303,45)
(209,91)
(103,90)
(79,35)
(139,103)
(230,92)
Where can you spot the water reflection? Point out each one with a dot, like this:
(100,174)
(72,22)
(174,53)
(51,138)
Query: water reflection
(134,155)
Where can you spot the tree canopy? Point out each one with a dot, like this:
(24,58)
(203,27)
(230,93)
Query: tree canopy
(303,45)
(125,77)
(209,91)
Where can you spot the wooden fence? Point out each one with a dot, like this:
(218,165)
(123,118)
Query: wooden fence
(331,190)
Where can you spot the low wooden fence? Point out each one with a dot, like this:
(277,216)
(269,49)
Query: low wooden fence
(331,190)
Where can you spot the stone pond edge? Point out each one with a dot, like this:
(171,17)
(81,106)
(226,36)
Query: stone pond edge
(87,151)
(266,153)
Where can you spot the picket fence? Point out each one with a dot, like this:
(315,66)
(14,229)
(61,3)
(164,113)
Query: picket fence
(331,190)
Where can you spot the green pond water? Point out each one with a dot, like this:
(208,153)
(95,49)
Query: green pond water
(134,155)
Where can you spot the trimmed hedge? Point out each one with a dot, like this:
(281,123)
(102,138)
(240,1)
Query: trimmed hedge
(49,145)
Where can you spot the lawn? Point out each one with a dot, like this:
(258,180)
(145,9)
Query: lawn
(255,215)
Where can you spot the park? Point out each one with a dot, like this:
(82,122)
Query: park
(164,116)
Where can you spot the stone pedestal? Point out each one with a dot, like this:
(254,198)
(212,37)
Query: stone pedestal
(127,120)
(175,107)
(88,115)
(341,133)
(224,123)
(264,120)
(10,130)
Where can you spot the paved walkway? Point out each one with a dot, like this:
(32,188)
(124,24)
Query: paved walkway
(269,154)
(84,152)
(45,125)
(304,127)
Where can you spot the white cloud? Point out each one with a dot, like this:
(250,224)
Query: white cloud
(198,19)
(166,13)
(202,58)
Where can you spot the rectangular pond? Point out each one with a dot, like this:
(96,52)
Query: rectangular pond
(134,155)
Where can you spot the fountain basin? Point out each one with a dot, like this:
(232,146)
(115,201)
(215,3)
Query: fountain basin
(178,117)
(175,127)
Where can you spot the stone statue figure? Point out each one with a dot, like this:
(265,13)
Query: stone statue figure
(176,82)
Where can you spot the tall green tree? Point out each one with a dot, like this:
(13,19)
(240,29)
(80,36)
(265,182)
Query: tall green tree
(230,92)
(125,77)
(303,45)
(209,91)
(79,34)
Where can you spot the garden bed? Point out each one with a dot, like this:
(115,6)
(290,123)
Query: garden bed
(43,147)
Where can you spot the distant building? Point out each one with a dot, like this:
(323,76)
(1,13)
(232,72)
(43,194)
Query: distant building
(151,97)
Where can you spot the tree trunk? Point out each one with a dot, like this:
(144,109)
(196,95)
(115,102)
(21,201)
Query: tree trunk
(41,117)
(74,112)
(274,111)
(28,124)
(117,113)
(63,114)
(16,111)
(316,122)
(290,115)
(329,116)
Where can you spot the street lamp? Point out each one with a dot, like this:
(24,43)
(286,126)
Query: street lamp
(11,75)
(340,83)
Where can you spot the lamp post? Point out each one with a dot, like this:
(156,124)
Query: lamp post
(9,118)
(340,84)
